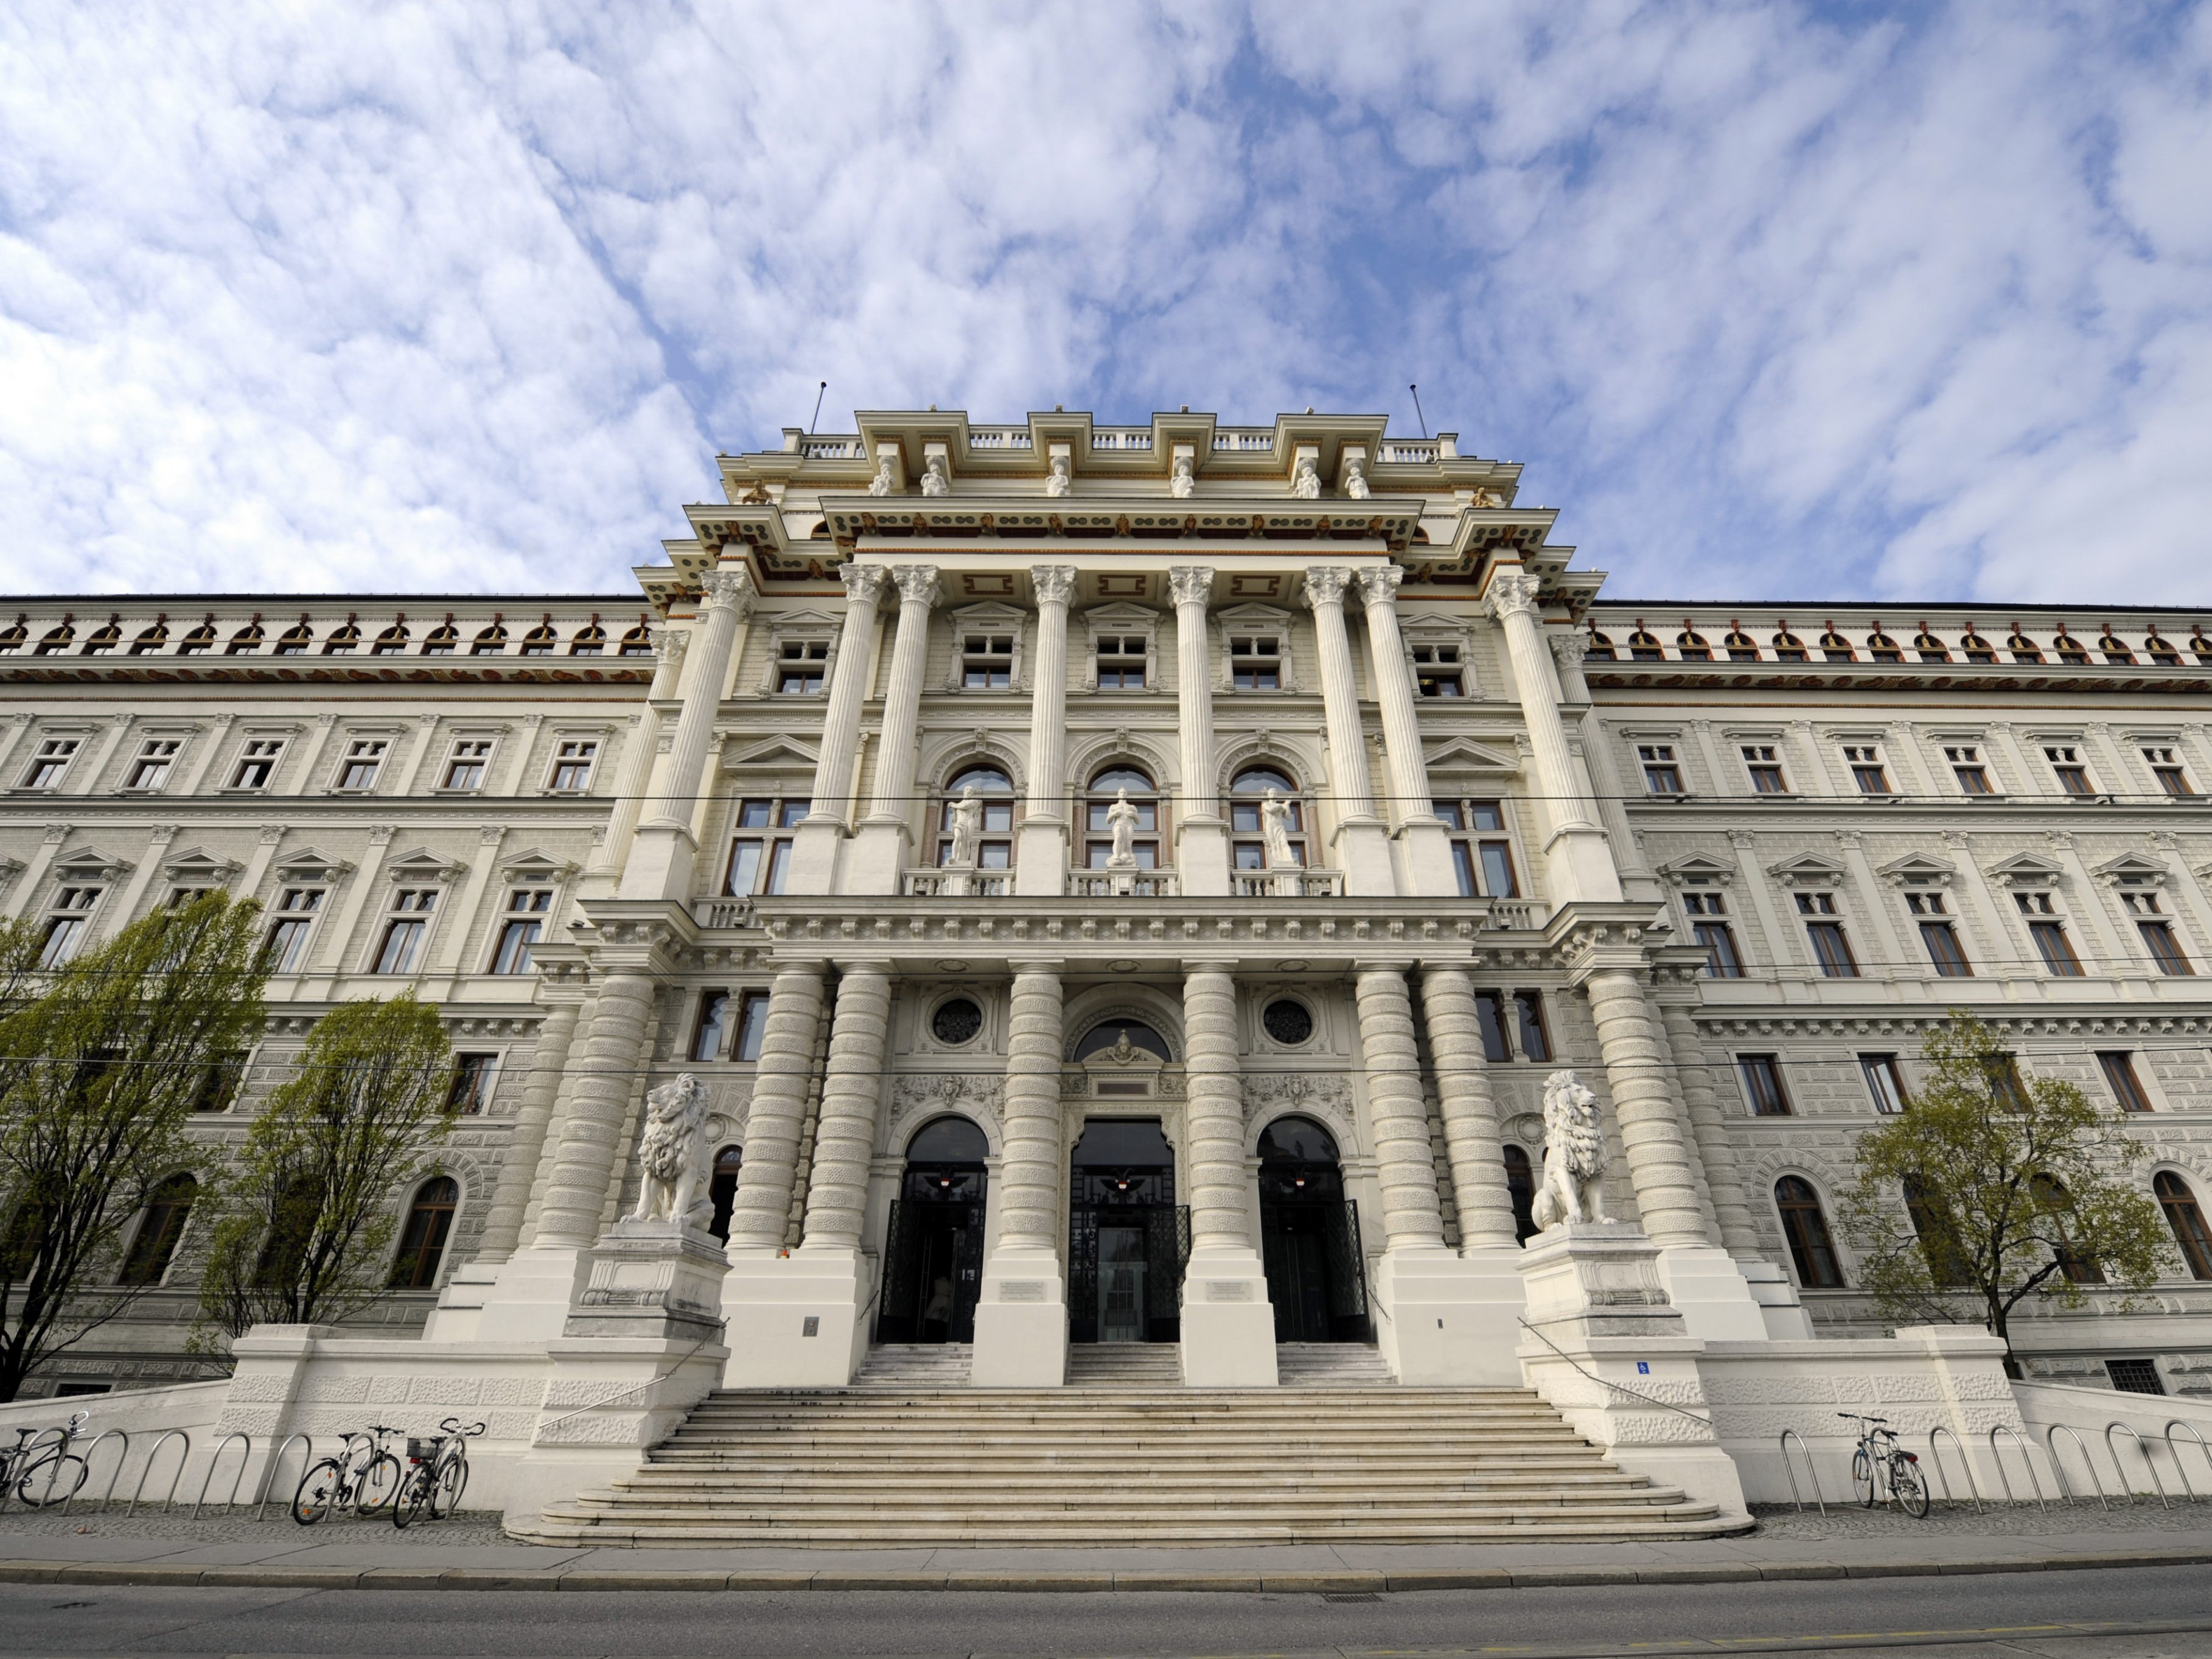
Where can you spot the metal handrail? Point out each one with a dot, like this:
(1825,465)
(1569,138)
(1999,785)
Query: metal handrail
(2025,1456)
(1812,1471)
(2141,1451)
(721,1326)
(2181,1469)
(1973,1487)
(208,1480)
(113,1474)
(183,1458)
(2050,1443)
(269,1474)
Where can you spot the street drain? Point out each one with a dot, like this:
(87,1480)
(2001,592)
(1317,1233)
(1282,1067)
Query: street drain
(1350,1595)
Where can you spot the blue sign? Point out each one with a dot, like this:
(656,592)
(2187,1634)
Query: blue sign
(1644,1368)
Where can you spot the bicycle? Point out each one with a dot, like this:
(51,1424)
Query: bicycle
(362,1476)
(438,1473)
(1880,1461)
(26,1462)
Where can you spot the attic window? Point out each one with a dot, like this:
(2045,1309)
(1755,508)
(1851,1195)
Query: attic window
(1977,648)
(1930,648)
(11,639)
(152,638)
(200,638)
(489,642)
(1601,648)
(2070,650)
(295,641)
(246,640)
(1691,646)
(58,639)
(2115,649)
(105,638)
(1644,647)
(392,642)
(540,641)
(1742,647)
(1788,647)
(1835,648)
(1883,647)
(2160,651)
(343,640)
(638,642)
(443,639)
(589,642)
(2023,648)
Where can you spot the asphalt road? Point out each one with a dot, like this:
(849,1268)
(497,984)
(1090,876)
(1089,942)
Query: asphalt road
(1992,1614)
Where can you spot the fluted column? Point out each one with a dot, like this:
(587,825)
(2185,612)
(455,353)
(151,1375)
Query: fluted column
(814,851)
(1201,836)
(845,1138)
(1636,1058)
(607,1070)
(659,864)
(880,848)
(1021,1321)
(1357,839)
(779,1106)
(1471,1137)
(1427,847)
(1709,1131)
(1227,1323)
(549,1059)
(1413,1218)
(1041,870)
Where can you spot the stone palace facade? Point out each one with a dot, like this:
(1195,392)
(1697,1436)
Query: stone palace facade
(1132,884)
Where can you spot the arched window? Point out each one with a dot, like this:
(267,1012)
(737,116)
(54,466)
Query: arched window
(1109,786)
(2187,1222)
(638,642)
(1930,648)
(955,1141)
(722,1188)
(156,1240)
(995,823)
(344,640)
(292,1221)
(590,640)
(2023,648)
(1788,647)
(1111,1034)
(392,641)
(2159,650)
(1297,1161)
(1882,647)
(1835,648)
(1599,649)
(489,642)
(422,1245)
(1249,793)
(200,638)
(1643,645)
(540,641)
(1692,645)
(1938,1234)
(1521,1186)
(1742,647)
(246,640)
(2198,645)
(443,639)
(58,639)
(153,639)
(295,641)
(1977,648)
(2070,649)
(1807,1230)
(105,637)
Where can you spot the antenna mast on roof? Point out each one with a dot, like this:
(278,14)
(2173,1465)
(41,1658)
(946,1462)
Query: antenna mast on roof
(817,415)
(1424,419)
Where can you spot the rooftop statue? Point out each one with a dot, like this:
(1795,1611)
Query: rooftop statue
(1182,482)
(881,483)
(1355,480)
(933,481)
(1059,484)
(1305,482)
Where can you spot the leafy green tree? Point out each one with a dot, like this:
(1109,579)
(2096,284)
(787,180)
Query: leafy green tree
(1991,1189)
(310,1213)
(103,1062)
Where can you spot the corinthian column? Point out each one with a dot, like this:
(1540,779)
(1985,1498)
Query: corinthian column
(1425,849)
(1577,861)
(814,851)
(1041,870)
(1227,1323)
(879,849)
(659,864)
(1021,1321)
(1362,851)
(1201,834)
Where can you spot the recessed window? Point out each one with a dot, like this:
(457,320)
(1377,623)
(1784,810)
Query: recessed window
(1250,793)
(1929,648)
(2172,778)
(443,641)
(284,950)
(571,764)
(987,661)
(1788,647)
(1969,768)
(157,757)
(470,1091)
(343,640)
(1811,1251)
(2066,766)
(540,641)
(392,641)
(760,851)
(520,929)
(466,765)
(256,762)
(711,1026)
(422,1241)
(247,640)
(1691,646)
(1438,672)
(1482,852)
(294,642)
(1884,1082)
(2185,1216)
(1663,772)
(51,763)
(1882,647)
(1742,647)
(154,1243)
(364,758)
(1708,926)
(1287,1022)
(2023,649)
(409,920)
(1490,1016)
(489,642)
(68,919)
(1867,769)
(1529,1024)
(221,1079)
(638,641)
(1120,662)
(752,1026)
(2118,1066)
(1764,767)
(1255,662)
(799,666)
(1832,946)
(1109,790)
(957,1022)
(590,640)
(990,835)
(1762,1084)
(1938,935)
(2048,934)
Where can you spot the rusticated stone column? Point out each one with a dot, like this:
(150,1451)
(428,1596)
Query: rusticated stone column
(606,1071)
(772,1125)
(1029,1171)
(836,1193)
(1412,1218)
(1635,1057)
(1470,1137)
(1710,1131)
(1213,1113)
(549,1058)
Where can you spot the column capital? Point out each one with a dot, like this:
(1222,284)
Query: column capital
(1325,584)
(1378,585)
(864,583)
(729,586)
(1512,592)
(883,965)
(1054,965)
(1052,584)
(1191,584)
(1569,648)
(917,584)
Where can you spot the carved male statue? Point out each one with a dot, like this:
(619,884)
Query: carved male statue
(1305,482)
(881,483)
(1574,1154)
(933,481)
(1122,819)
(668,1154)
(1355,479)
(967,826)
(1059,484)
(1275,831)
(1488,498)
(1180,483)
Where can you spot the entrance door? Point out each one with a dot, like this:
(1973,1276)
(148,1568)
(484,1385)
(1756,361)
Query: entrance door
(933,1247)
(1121,1284)
(1127,1238)
(1310,1238)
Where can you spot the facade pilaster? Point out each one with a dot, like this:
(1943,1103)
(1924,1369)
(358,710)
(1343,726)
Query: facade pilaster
(1021,1321)
(880,844)
(1201,833)
(814,857)
(1425,849)
(1228,1322)
(634,776)
(1358,839)
(1041,867)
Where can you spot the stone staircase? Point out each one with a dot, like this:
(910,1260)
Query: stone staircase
(1330,1365)
(915,1365)
(1121,1458)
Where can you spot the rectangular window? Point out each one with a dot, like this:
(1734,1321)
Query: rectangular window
(2119,1068)
(2056,949)
(2166,766)
(469,1092)
(711,1025)
(1866,769)
(1832,949)
(66,924)
(51,763)
(1762,1084)
(752,1026)
(1255,662)
(572,763)
(987,661)
(1944,951)
(256,762)
(1528,1021)
(1967,766)
(1120,662)
(284,950)
(151,769)
(2134,1376)
(1760,760)
(219,1082)
(2165,949)
(1490,1014)
(2066,766)
(524,925)
(1437,672)
(1707,911)
(466,764)
(2002,1073)
(1463,868)
(1662,774)
(364,757)
(1480,843)
(402,933)
(800,665)
(759,856)
(1884,1082)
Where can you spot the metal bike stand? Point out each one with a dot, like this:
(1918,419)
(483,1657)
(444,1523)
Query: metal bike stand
(1811,1469)
(208,1480)
(2050,1443)
(1973,1488)
(2141,1451)
(2026,1456)
(2187,1485)
(183,1458)
(113,1474)
(269,1475)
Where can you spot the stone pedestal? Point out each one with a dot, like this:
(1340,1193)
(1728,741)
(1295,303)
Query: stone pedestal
(1608,1349)
(1021,1323)
(877,860)
(1361,848)
(1227,1323)
(1425,852)
(1040,862)
(650,1279)
(796,1321)
(814,853)
(1450,1319)
(1202,856)
(1779,1310)
(1710,1290)
(530,1296)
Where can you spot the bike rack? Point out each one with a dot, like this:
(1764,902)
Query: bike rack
(1973,1488)
(2025,1456)
(2141,1451)
(208,1480)
(2051,1442)
(2181,1469)
(113,1474)
(269,1475)
(183,1458)
(1811,1470)
(61,1441)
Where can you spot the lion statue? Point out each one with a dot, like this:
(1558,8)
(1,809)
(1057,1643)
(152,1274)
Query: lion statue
(1574,1154)
(668,1153)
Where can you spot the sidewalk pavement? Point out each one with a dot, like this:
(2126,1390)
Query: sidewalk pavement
(315,1560)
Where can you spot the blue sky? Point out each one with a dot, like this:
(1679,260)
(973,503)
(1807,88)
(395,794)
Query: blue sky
(1775,302)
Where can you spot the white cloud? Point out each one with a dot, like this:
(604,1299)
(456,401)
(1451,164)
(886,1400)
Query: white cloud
(298,297)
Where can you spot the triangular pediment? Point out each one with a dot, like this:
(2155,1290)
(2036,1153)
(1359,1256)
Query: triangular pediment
(1918,869)
(775,751)
(1807,870)
(1699,869)
(93,859)
(1121,614)
(197,859)
(1252,615)
(2133,868)
(308,863)
(2028,869)
(987,613)
(803,618)
(1464,755)
(536,861)
(423,864)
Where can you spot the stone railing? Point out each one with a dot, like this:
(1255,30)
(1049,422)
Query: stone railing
(958,884)
(833,449)
(1287,883)
(1394,450)
(1519,914)
(1236,439)
(1000,437)
(1122,438)
(719,912)
(1114,883)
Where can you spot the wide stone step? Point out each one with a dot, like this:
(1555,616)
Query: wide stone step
(1502,1483)
(1657,1525)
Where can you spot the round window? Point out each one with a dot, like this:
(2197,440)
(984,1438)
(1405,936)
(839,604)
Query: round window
(956,1021)
(1287,1022)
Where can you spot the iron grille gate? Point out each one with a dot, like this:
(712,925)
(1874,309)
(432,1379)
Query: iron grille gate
(1167,1251)
(1298,1238)
(902,1286)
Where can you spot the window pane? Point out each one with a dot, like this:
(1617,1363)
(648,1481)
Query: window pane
(1490,1010)
(1528,1014)
(778,867)
(707,1034)
(752,1027)
(744,868)
(1463,868)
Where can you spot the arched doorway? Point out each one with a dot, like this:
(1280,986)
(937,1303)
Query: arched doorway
(1127,1237)
(1310,1236)
(934,1249)
(722,1190)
